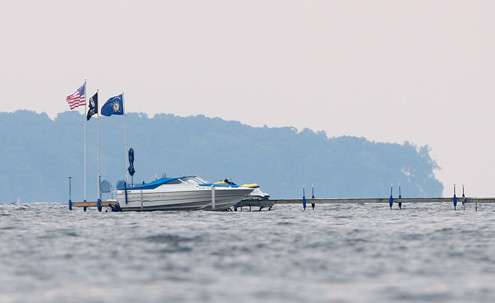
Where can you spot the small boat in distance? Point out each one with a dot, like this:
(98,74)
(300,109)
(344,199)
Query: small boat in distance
(182,193)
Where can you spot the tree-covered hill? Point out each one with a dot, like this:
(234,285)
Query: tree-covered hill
(38,154)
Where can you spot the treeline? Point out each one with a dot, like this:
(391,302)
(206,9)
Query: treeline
(38,154)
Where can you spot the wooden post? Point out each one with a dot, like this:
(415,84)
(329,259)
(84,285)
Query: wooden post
(142,200)
(70,193)
(213,197)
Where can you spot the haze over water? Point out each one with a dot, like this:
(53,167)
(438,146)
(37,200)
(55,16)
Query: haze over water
(338,253)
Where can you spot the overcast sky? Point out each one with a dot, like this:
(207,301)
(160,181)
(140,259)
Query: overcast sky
(418,70)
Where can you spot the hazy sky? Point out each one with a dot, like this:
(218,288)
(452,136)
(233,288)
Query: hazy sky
(392,71)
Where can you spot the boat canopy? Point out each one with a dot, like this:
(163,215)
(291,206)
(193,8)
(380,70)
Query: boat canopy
(158,182)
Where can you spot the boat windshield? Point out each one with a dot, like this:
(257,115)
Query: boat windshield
(193,180)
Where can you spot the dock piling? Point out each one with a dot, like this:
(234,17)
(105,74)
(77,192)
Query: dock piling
(125,192)
(70,193)
(391,198)
(98,205)
(304,199)
(213,197)
(400,198)
(313,204)
(454,199)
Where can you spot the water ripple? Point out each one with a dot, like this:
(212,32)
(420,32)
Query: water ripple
(338,253)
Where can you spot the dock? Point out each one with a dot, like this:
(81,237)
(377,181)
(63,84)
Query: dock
(319,201)
(380,200)
(87,204)
(93,203)
(249,203)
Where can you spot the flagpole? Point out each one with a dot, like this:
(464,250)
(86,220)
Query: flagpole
(125,137)
(98,143)
(84,140)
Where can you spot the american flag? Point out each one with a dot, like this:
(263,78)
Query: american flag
(78,98)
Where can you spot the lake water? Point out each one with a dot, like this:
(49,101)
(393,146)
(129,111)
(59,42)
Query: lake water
(338,253)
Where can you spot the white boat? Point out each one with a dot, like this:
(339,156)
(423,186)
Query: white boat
(183,193)
(256,198)
(256,194)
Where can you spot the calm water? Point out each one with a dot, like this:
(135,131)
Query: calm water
(339,253)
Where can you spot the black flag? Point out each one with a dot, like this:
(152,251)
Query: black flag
(93,106)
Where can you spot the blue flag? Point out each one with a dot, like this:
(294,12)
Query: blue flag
(113,106)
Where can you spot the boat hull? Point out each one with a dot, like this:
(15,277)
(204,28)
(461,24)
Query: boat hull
(144,200)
